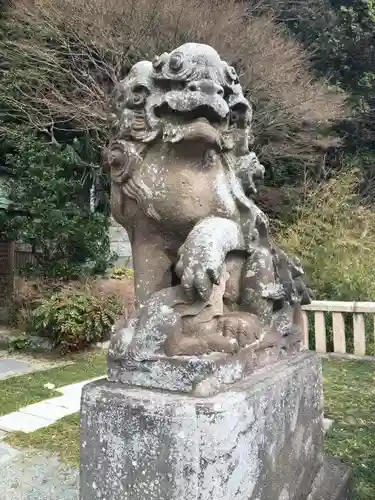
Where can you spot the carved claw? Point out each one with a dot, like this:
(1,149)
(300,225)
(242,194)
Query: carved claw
(202,256)
(198,278)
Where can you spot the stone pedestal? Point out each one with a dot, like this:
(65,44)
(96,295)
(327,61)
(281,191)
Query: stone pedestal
(260,439)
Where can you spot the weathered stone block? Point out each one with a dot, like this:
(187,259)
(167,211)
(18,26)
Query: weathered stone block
(333,482)
(200,375)
(260,439)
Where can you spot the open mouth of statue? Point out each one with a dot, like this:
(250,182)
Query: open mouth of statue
(193,116)
(192,126)
(203,113)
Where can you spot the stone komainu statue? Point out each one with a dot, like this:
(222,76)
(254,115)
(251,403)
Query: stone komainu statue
(209,284)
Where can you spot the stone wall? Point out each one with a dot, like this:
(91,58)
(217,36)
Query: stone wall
(120,243)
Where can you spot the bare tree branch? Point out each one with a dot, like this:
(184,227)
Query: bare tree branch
(66,55)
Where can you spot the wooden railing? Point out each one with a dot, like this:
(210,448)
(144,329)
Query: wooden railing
(347,335)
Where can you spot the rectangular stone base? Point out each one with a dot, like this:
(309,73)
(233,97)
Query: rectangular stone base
(333,482)
(260,439)
(202,375)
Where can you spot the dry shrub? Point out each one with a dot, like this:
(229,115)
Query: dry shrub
(73,319)
(124,289)
(335,237)
(279,204)
(30,294)
(65,55)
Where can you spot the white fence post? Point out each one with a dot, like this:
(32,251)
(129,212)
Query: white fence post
(338,327)
(320,332)
(340,335)
(359,335)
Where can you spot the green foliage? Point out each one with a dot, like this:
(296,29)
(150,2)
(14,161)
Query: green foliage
(19,343)
(349,402)
(334,235)
(346,51)
(49,183)
(75,319)
(340,36)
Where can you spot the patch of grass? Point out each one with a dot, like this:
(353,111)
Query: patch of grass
(61,438)
(349,392)
(16,392)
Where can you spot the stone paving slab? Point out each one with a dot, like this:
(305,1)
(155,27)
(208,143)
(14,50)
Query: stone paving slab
(35,364)
(17,421)
(38,415)
(10,367)
(327,424)
(76,389)
(64,401)
(50,411)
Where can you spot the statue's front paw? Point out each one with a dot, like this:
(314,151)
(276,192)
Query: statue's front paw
(198,274)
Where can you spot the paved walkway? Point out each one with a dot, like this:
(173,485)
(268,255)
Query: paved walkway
(47,412)
(18,364)
(11,367)
(32,474)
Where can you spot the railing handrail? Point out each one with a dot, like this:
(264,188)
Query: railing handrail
(338,306)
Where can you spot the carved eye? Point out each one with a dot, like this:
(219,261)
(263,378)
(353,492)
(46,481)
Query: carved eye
(176,61)
(139,95)
(138,98)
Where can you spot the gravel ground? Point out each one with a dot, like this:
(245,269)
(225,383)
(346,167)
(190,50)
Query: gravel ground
(35,476)
(40,362)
